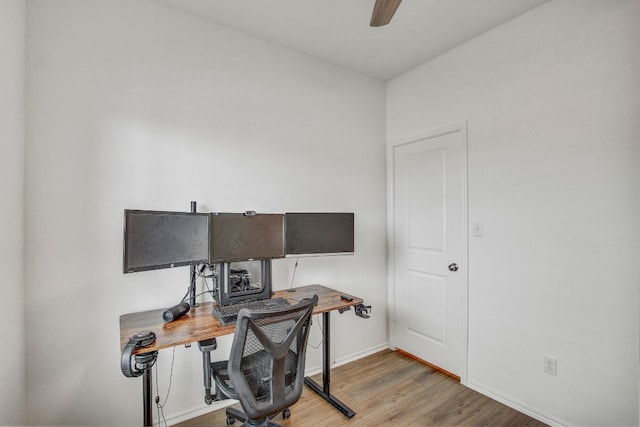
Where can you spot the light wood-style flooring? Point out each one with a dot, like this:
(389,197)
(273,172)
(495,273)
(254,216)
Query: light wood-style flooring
(391,389)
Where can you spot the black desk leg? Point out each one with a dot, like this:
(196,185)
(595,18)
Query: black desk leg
(147,390)
(325,391)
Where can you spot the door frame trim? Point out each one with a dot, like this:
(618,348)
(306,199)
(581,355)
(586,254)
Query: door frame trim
(391,146)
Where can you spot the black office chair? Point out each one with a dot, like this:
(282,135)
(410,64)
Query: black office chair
(265,370)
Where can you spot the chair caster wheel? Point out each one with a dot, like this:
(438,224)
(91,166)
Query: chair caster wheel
(230,421)
(286,413)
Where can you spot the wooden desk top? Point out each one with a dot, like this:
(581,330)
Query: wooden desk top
(200,323)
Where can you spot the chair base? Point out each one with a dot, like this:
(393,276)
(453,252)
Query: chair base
(234,414)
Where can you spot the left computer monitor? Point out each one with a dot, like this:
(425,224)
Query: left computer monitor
(160,239)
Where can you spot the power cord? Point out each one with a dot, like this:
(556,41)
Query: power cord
(212,275)
(160,407)
(293,276)
(315,347)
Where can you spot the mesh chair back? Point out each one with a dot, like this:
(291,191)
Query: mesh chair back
(266,364)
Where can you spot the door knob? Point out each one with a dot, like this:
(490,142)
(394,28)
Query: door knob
(453,267)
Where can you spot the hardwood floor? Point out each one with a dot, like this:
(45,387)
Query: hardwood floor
(391,389)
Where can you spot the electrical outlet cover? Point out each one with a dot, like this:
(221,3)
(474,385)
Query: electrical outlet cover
(550,365)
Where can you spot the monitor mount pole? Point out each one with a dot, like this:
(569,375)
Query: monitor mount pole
(192,285)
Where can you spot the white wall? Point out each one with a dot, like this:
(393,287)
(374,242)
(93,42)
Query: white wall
(12,123)
(132,105)
(552,103)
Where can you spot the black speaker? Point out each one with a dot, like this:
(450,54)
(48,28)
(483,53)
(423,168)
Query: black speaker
(176,312)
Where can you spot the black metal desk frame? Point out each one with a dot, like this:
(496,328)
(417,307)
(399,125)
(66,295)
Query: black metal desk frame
(325,390)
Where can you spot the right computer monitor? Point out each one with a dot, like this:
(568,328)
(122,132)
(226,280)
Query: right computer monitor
(321,233)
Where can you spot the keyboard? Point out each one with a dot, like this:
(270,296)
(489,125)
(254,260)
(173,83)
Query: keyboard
(228,314)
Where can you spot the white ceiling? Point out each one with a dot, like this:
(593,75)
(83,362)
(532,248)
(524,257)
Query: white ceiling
(338,31)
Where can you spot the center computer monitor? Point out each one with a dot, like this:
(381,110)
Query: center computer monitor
(242,237)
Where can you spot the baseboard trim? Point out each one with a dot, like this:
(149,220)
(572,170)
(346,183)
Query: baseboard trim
(348,359)
(205,409)
(518,406)
(196,412)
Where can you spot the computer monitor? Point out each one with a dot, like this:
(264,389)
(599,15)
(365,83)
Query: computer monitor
(310,233)
(160,239)
(243,237)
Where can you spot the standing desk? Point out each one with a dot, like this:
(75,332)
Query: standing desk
(200,324)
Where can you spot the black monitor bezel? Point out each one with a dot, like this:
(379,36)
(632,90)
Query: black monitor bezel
(293,243)
(215,257)
(128,269)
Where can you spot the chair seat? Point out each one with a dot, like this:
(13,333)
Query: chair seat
(256,368)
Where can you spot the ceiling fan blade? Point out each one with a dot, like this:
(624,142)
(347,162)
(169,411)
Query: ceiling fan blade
(383,12)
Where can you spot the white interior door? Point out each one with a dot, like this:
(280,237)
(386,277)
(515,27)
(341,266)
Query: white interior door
(430,247)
